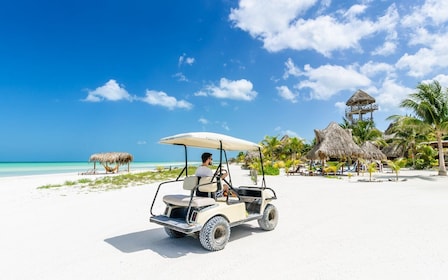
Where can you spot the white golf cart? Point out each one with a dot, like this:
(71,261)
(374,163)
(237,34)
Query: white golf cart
(208,216)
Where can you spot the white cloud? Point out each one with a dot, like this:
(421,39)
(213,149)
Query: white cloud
(225,126)
(181,77)
(340,106)
(111,91)
(287,94)
(443,80)
(291,69)
(141,142)
(279,26)
(263,18)
(281,132)
(183,59)
(327,80)
(386,49)
(203,121)
(431,12)
(291,133)
(391,94)
(160,98)
(227,89)
(427,59)
(371,69)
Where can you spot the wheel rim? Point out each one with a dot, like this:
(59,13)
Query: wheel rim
(272,216)
(220,234)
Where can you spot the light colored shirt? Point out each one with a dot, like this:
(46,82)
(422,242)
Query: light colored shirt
(203,171)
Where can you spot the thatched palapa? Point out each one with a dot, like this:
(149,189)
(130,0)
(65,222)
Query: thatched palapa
(111,158)
(372,152)
(334,142)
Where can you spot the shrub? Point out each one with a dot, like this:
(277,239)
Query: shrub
(271,170)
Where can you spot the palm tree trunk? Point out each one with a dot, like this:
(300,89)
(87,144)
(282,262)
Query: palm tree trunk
(442,168)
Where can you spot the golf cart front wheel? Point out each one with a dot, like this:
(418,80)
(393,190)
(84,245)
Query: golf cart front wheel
(215,234)
(270,218)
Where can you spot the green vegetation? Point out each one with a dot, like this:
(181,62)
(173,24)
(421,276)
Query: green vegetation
(121,181)
(430,107)
(396,165)
(371,168)
(50,186)
(407,137)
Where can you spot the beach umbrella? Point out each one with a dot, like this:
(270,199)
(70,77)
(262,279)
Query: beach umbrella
(117,158)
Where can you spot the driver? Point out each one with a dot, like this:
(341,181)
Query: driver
(204,171)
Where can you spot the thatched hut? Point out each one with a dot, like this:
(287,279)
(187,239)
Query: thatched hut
(111,158)
(372,152)
(334,142)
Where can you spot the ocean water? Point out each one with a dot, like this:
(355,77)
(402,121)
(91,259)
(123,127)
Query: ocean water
(8,169)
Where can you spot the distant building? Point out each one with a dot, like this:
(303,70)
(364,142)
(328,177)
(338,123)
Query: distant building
(358,106)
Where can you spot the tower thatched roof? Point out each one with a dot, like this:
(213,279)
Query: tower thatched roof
(372,152)
(334,142)
(360,97)
(112,157)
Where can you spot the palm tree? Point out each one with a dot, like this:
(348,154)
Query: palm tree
(271,147)
(408,135)
(425,157)
(371,168)
(292,148)
(430,106)
(364,131)
(396,165)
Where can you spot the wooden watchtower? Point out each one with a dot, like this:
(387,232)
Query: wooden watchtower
(358,106)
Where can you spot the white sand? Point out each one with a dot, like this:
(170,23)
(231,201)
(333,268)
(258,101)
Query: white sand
(328,229)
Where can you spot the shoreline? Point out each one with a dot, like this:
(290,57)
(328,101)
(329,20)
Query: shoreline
(13,169)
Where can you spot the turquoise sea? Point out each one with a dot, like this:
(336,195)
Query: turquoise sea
(8,169)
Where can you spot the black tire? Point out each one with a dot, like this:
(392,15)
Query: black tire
(174,233)
(270,218)
(215,234)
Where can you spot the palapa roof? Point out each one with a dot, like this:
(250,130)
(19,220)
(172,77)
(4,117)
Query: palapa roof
(372,152)
(334,142)
(360,97)
(112,157)
(393,150)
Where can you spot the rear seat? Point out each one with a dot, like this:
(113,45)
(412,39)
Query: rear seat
(189,184)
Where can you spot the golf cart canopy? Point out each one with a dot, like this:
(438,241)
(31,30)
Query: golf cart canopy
(211,141)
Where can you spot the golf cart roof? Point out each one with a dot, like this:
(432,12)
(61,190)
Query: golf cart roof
(210,140)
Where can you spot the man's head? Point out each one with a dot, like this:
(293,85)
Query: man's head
(206,156)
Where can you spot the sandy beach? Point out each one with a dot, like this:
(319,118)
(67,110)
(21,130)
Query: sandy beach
(328,229)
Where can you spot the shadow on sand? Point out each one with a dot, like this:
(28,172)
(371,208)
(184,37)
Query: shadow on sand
(404,177)
(156,240)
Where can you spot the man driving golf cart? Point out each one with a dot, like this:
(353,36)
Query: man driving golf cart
(211,217)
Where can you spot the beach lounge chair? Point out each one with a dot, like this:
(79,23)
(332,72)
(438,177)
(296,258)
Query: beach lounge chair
(295,171)
(88,172)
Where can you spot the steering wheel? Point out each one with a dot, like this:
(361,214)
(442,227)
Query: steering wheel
(219,172)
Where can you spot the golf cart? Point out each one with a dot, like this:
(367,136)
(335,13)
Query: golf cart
(210,217)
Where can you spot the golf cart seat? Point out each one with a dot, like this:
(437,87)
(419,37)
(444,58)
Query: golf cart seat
(189,184)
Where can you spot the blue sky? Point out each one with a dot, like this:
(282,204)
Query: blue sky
(82,77)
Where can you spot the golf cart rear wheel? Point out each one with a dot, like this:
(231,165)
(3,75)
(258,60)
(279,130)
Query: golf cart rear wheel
(173,233)
(215,234)
(270,218)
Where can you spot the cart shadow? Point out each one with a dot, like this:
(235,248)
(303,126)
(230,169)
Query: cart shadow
(157,241)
